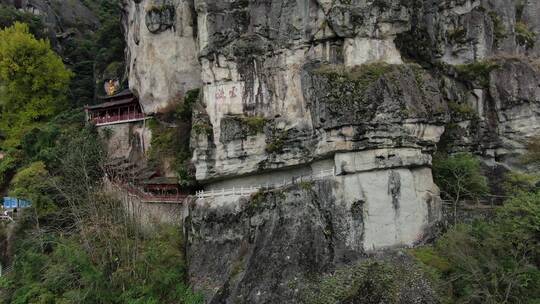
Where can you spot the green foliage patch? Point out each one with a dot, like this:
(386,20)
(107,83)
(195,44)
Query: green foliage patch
(524,36)
(202,129)
(32,183)
(461,111)
(477,72)
(33,81)
(517,182)
(458,35)
(255,123)
(143,269)
(10,15)
(499,30)
(360,78)
(172,139)
(491,262)
(371,281)
(459,177)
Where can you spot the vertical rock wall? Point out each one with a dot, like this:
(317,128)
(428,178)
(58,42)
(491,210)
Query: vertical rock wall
(369,88)
(161,51)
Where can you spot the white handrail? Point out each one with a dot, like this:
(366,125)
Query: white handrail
(6,217)
(234,191)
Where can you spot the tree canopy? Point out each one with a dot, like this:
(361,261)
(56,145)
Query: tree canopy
(33,83)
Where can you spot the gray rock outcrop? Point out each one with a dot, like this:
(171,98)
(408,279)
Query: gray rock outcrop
(369,89)
(161,51)
(270,248)
(60,18)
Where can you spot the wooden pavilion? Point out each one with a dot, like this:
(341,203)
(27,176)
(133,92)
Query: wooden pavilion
(119,108)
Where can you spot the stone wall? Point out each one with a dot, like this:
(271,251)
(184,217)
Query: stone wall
(127,140)
(148,214)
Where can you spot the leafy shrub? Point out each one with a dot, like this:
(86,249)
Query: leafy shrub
(477,72)
(255,124)
(64,270)
(524,36)
(517,182)
(458,35)
(9,15)
(491,262)
(202,129)
(368,282)
(461,111)
(31,183)
(459,177)
(499,30)
(171,139)
(359,78)
(8,166)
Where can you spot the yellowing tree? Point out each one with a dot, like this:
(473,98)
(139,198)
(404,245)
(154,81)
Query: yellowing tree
(33,83)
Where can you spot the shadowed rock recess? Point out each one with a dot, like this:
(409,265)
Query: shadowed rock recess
(369,89)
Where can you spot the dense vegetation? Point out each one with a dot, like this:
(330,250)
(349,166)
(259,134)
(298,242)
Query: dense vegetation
(77,244)
(92,54)
(33,82)
(171,133)
(494,260)
(97,55)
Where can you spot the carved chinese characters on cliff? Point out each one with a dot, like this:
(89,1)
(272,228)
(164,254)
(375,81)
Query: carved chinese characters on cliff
(222,94)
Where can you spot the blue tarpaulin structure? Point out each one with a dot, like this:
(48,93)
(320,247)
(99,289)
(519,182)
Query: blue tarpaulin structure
(15,203)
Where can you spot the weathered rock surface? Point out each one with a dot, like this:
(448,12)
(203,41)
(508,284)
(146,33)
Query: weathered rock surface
(269,248)
(161,51)
(130,141)
(61,18)
(368,88)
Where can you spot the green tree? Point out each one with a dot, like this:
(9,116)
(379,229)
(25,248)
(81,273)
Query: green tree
(494,261)
(31,183)
(33,83)
(460,178)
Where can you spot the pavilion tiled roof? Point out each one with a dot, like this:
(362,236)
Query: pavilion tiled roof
(126,92)
(111,104)
(161,181)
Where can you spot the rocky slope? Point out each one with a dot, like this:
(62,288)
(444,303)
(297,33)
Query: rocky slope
(368,88)
(62,19)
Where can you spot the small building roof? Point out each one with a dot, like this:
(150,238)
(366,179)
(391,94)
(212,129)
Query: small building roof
(126,92)
(161,181)
(145,174)
(111,104)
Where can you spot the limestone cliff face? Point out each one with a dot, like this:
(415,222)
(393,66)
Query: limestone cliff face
(366,88)
(162,51)
(270,248)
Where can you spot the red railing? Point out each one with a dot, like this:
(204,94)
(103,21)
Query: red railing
(154,198)
(117,118)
